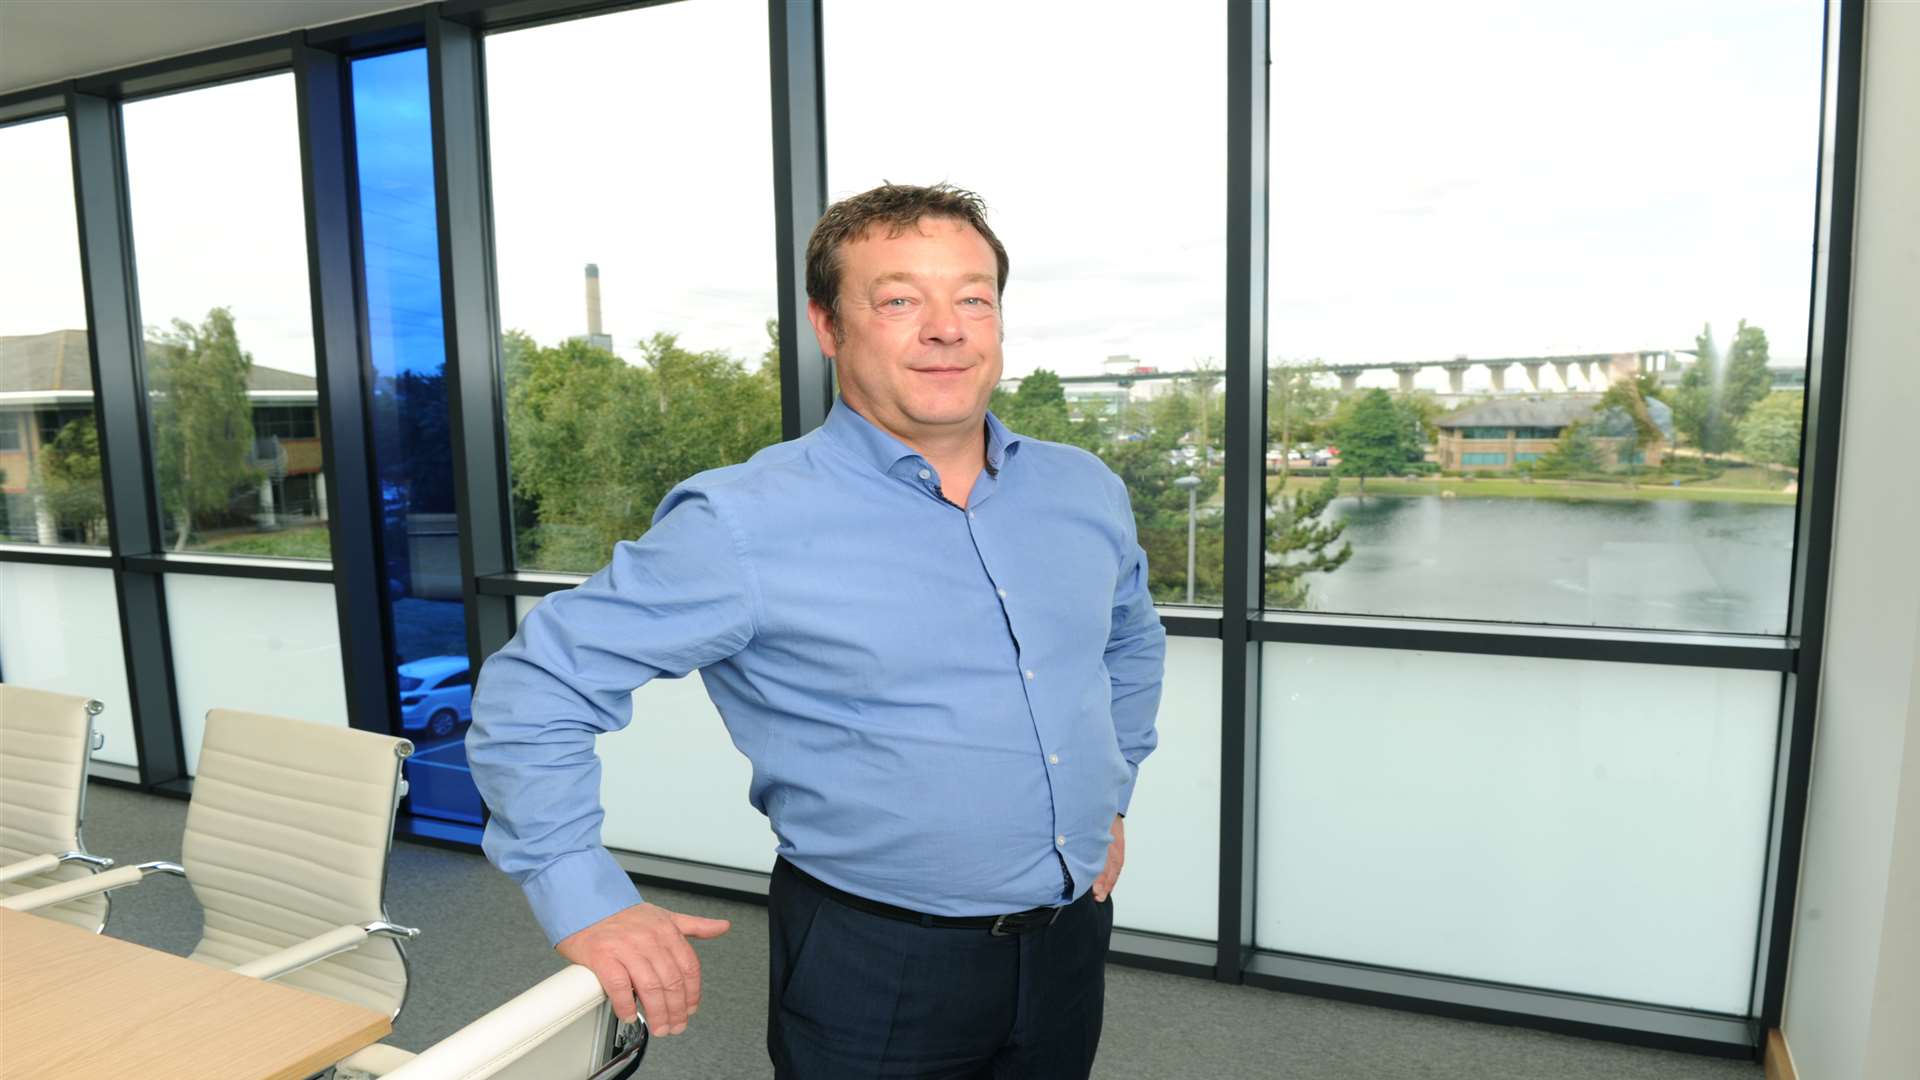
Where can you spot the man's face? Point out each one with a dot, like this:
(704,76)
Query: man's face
(919,346)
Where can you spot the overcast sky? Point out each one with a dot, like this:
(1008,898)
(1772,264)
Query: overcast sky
(1482,179)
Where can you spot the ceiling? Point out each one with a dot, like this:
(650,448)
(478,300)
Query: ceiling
(43,41)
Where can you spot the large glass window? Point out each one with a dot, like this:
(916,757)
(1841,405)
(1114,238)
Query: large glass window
(1509,220)
(412,435)
(1115,310)
(60,631)
(633,224)
(49,449)
(220,237)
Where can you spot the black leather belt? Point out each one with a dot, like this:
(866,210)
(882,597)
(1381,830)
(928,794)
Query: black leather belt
(1018,922)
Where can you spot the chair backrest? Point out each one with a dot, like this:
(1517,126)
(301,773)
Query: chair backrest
(561,1029)
(45,739)
(287,837)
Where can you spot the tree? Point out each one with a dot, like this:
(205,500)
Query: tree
(67,478)
(1574,454)
(1770,434)
(1373,437)
(1298,541)
(1717,392)
(1627,398)
(202,422)
(1297,406)
(598,442)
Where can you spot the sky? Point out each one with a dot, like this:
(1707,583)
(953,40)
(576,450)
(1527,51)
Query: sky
(1484,179)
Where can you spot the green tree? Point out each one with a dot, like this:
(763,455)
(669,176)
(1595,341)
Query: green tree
(1373,437)
(67,477)
(1628,398)
(1770,434)
(1297,407)
(1039,410)
(1716,392)
(598,442)
(202,420)
(1575,454)
(1298,541)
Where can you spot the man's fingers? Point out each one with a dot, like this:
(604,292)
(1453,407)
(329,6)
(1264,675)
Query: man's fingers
(618,985)
(652,990)
(689,964)
(695,926)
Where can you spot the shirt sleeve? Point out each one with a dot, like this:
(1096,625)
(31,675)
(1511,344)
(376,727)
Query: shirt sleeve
(679,598)
(1136,652)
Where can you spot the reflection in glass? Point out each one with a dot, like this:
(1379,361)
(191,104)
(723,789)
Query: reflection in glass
(412,447)
(219,236)
(1534,357)
(50,489)
(1115,309)
(637,306)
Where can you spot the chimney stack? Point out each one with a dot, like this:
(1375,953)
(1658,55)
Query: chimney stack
(593,302)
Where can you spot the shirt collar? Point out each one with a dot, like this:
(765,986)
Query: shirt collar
(866,441)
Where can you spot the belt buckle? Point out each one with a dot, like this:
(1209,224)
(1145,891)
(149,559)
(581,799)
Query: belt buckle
(999,928)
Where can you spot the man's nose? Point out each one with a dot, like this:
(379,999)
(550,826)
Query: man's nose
(941,323)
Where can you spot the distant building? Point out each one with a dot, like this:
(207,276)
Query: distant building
(46,383)
(594,335)
(1509,432)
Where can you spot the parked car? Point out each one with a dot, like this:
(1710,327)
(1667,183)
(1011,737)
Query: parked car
(436,695)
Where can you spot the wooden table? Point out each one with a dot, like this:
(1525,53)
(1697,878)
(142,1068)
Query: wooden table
(74,1004)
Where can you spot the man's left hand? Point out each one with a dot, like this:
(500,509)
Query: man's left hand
(1116,857)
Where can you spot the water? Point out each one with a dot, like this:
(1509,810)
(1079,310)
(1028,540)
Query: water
(1655,564)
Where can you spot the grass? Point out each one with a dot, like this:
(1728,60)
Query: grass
(1740,490)
(306,542)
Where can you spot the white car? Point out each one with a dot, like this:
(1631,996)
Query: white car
(436,695)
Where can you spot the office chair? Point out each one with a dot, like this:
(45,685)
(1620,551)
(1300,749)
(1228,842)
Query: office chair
(286,849)
(45,740)
(561,1029)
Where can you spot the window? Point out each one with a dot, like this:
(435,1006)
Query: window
(1114,311)
(50,491)
(219,232)
(1525,455)
(1424,261)
(647,274)
(458,678)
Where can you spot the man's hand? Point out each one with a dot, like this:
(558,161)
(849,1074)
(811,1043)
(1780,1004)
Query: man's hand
(642,953)
(1116,857)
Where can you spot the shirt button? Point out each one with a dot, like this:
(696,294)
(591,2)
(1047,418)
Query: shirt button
(969,513)
(1059,841)
(1029,674)
(1002,592)
(926,474)
(1053,759)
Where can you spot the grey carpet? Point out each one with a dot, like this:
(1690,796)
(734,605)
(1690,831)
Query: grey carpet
(479,946)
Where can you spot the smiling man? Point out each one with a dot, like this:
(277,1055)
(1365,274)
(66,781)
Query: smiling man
(932,638)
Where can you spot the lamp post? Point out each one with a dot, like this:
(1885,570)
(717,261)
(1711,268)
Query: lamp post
(1192,485)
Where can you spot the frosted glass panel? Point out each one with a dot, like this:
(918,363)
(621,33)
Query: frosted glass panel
(1171,883)
(1574,825)
(673,784)
(60,631)
(261,646)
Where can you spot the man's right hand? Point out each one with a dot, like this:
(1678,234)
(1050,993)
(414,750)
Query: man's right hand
(642,952)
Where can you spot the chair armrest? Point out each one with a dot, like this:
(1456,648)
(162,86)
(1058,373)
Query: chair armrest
(510,1031)
(40,864)
(332,943)
(87,886)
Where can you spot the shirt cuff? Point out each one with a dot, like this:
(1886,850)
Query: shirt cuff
(577,890)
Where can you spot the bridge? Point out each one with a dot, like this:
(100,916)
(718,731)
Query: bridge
(1590,366)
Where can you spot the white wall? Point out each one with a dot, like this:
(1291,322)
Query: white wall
(1853,991)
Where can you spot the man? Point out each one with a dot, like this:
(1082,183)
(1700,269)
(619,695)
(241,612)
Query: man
(932,638)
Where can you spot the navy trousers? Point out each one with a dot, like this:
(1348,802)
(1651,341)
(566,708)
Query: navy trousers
(853,994)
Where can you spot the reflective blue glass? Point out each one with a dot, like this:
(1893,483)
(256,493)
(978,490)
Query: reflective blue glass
(412,445)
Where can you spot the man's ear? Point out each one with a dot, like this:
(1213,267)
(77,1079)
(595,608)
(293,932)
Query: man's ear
(823,328)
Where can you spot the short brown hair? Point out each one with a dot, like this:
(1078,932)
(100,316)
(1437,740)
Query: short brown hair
(897,207)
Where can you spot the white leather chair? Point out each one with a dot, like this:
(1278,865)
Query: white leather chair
(45,739)
(286,849)
(561,1029)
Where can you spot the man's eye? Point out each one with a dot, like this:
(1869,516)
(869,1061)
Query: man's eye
(898,301)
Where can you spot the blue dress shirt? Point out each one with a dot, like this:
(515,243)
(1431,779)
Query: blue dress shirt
(943,707)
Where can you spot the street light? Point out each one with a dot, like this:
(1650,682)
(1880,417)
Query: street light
(1192,485)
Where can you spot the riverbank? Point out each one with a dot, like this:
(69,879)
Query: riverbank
(1509,487)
